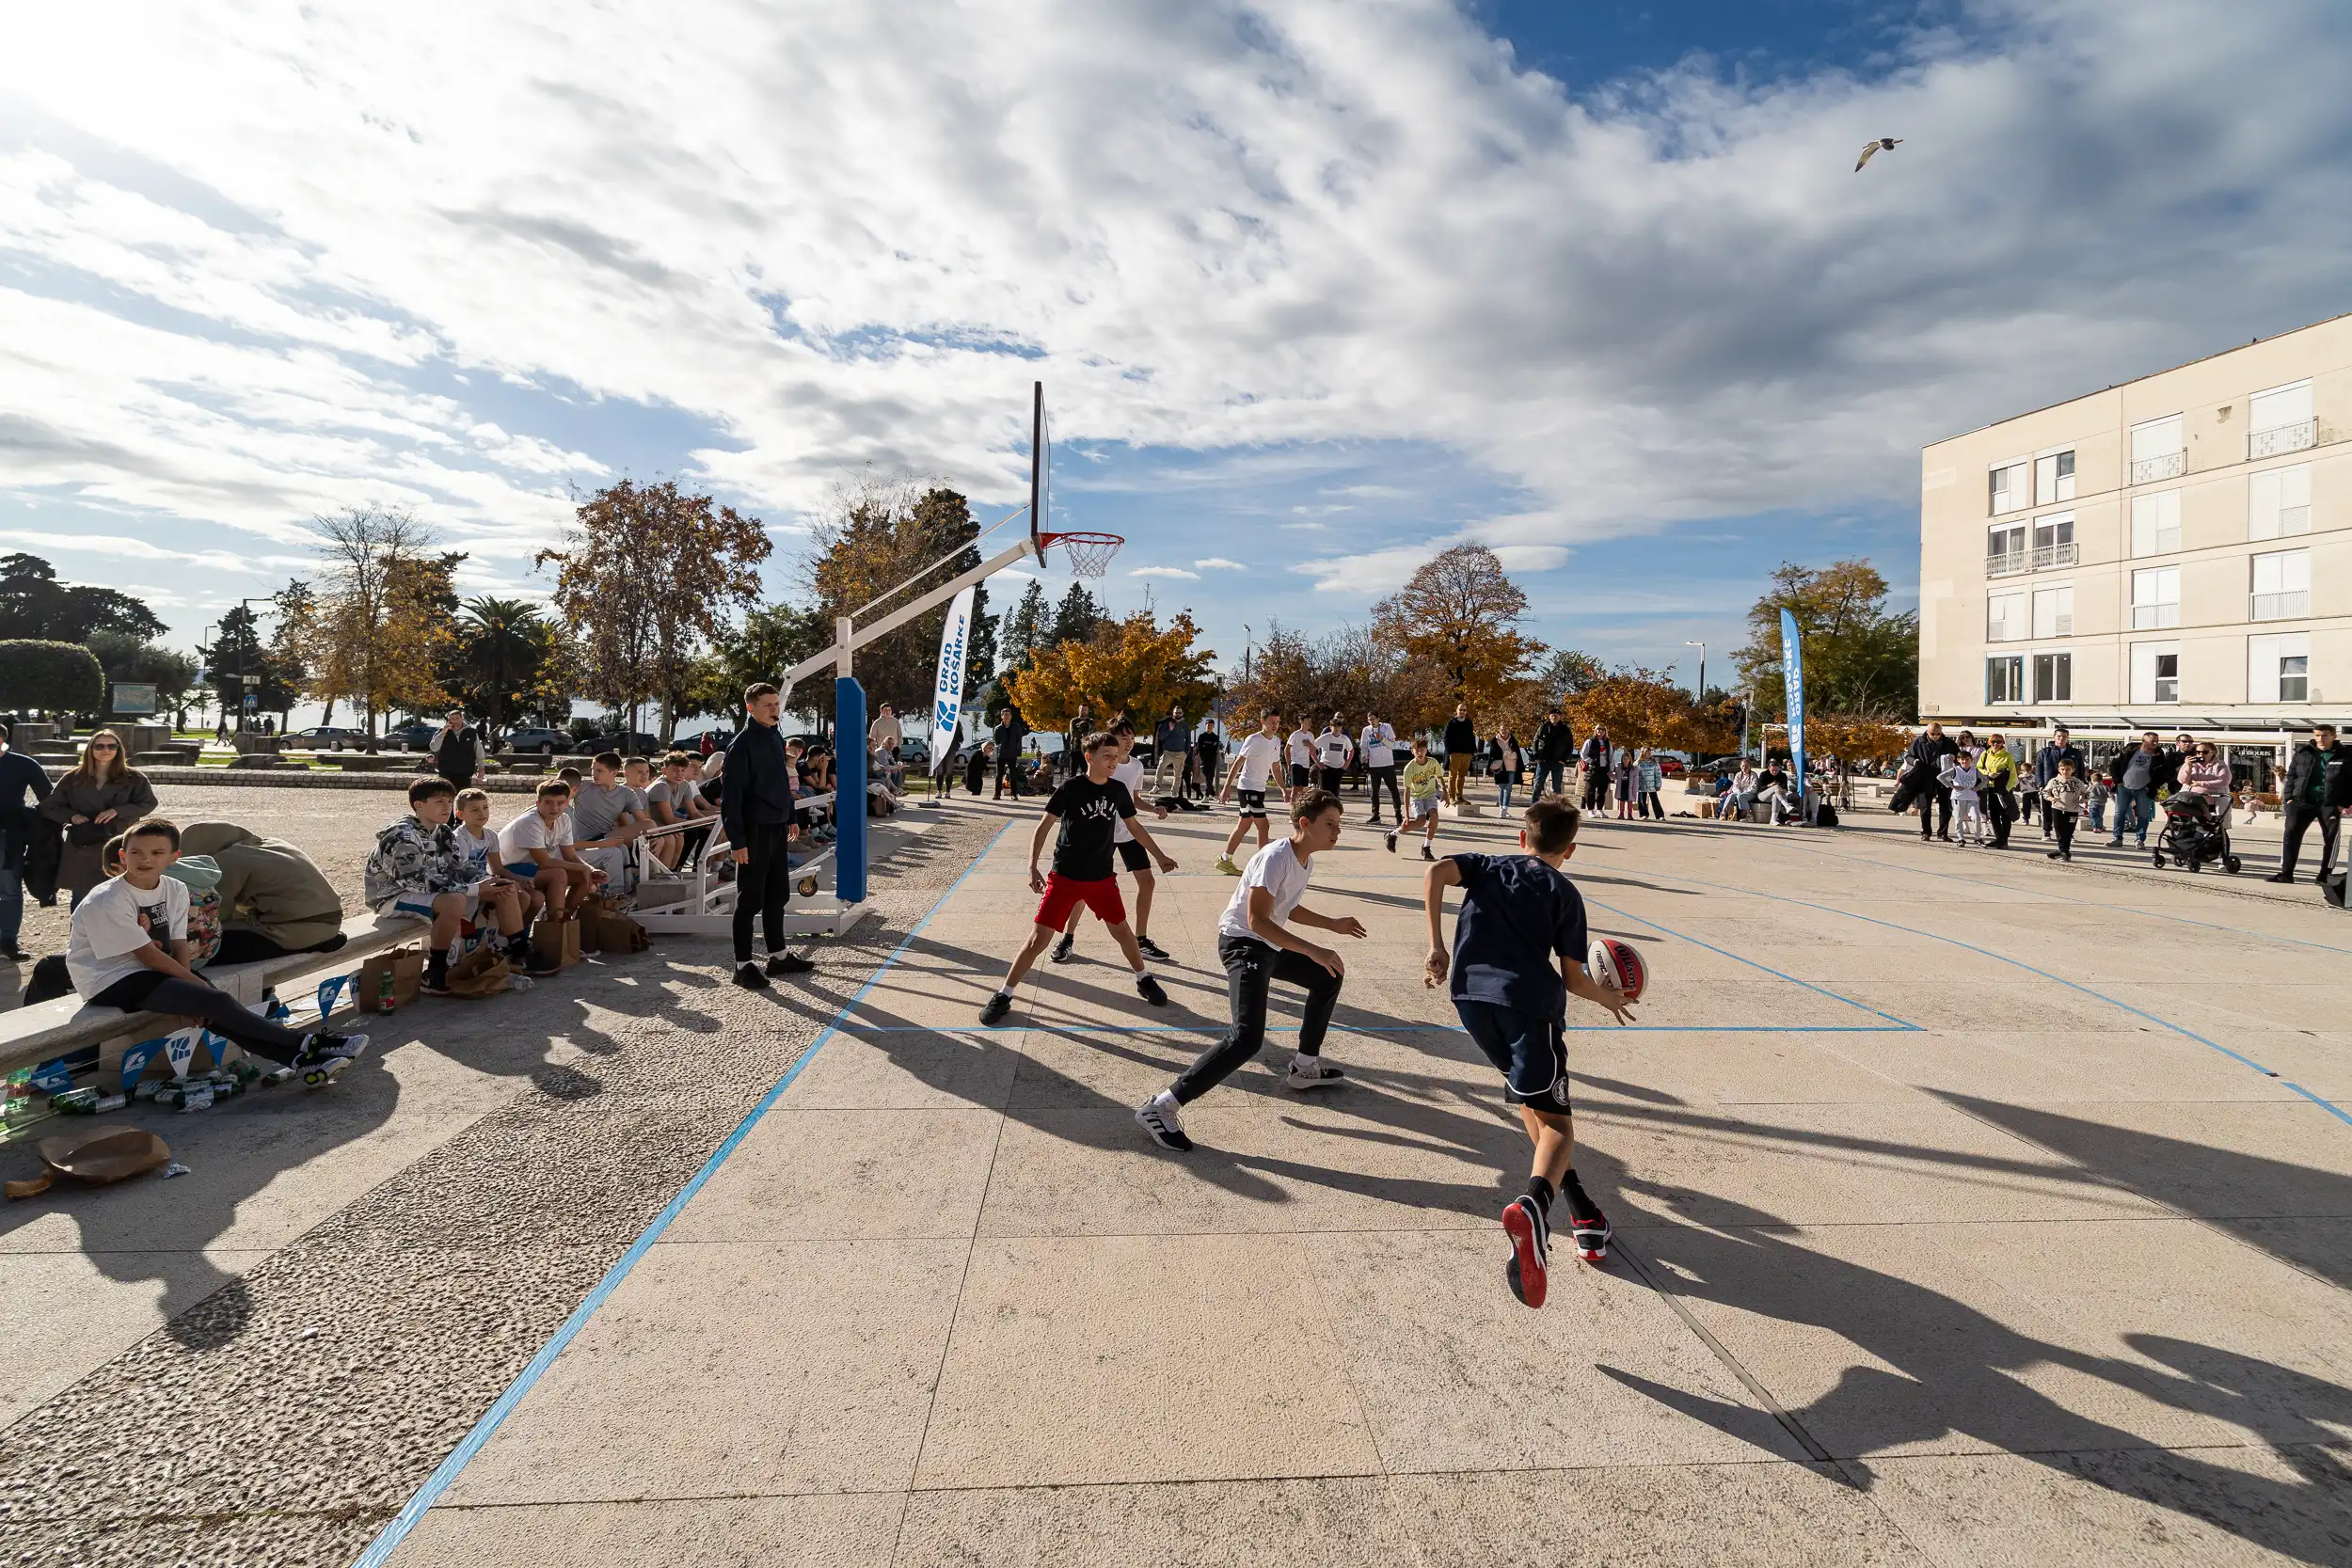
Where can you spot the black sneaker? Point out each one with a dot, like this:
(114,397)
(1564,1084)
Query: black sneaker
(1391,838)
(1151,949)
(2282,876)
(1590,1235)
(436,981)
(788,964)
(315,1065)
(1160,1116)
(994,1012)
(1529,1271)
(2050,854)
(1427,854)
(748,976)
(1065,949)
(1149,989)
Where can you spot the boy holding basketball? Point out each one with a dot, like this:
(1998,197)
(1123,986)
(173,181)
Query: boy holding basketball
(1086,807)
(1519,914)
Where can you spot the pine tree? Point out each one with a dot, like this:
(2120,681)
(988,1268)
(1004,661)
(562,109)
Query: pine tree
(1028,627)
(1078,615)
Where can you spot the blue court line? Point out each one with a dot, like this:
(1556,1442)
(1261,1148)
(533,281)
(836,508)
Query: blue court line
(2326,1105)
(1209,1027)
(438,1481)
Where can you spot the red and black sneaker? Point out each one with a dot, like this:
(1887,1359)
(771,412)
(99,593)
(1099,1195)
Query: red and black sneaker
(1528,1272)
(1590,1235)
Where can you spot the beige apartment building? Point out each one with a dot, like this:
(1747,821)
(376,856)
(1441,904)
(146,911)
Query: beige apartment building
(2174,553)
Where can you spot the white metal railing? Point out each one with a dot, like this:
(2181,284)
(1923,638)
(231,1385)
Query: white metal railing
(2148,616)
(699,887)
(2046,556)
(2279,607)
(2007,563)
(2295,519)
(2283,438)
(2147,470)
(2060,625)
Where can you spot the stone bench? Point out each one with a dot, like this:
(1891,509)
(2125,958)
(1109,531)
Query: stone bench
(47,1030)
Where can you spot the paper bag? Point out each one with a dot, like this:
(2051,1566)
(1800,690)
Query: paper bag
(480,972)
(556,942)
(405,965)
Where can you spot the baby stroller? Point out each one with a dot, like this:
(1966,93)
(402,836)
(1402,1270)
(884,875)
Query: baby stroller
(2196,833)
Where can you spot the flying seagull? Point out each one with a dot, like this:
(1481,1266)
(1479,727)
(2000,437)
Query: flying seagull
(1871,149)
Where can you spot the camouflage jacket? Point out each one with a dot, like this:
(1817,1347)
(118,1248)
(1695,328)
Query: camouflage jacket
(411,859)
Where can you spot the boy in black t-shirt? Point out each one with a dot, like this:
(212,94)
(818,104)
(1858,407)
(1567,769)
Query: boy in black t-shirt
(1520,913)
(1087,806)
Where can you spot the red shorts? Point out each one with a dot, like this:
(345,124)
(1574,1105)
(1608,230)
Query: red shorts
(1065,893)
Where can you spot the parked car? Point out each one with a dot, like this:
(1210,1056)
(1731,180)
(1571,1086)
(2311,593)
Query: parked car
(411,737)
(539,738)
(629,743)
(326,737)
(1671,767)
(694,742)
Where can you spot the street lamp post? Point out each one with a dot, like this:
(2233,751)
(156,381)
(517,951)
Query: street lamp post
(241,679)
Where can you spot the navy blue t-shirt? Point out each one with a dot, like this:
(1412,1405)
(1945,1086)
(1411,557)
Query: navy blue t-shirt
(1517,916)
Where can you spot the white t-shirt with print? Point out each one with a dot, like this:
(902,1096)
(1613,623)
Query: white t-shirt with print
(1275,868)
(480,849)
(1302,749)
(531,832)
(1131,774)
(115,921)
(1334,749)
(1258,754)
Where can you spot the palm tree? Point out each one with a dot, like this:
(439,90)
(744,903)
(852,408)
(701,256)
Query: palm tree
(505,641)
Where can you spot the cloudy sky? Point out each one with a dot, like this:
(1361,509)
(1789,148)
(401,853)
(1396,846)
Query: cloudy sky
(1315,288)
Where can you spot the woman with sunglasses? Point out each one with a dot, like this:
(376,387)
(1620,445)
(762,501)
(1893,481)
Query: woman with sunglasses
(102,797)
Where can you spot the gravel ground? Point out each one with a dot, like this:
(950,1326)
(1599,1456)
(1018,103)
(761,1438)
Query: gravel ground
(243,1433)
(336,827)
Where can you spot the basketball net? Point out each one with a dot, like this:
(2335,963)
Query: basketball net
(1088,554)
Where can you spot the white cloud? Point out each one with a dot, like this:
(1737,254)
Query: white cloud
(1373,573)
(1218,563)
(1177,572)
(854,234)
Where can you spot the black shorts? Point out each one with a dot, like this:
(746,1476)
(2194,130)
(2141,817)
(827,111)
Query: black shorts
(1133,855)
(1252,803)
(1298,775)
(1531,1052)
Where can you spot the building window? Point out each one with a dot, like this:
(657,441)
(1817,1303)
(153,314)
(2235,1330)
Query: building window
(2006,484)
(2155,597)
(2054,541)
(2155,672)
(2156,451)
(2005,678)
(2005,549)
(2278,668)
(2282,586)
(2279,502)
(2004,617)
(2054,479)
(2156,523)
(2280,421)
(2054,677)
(2054,612)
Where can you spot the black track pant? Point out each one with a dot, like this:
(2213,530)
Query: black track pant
(1997,811)
(761,885)
(1006,773)
(2064,822)
(1385,778)
(1936,804)
(222,1014)
(1250,967)
(2298,821)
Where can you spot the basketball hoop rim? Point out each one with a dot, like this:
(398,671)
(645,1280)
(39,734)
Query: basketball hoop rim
(1088,554)
(1047,541)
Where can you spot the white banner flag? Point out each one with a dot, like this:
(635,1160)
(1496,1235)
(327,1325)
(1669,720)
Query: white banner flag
(955,642)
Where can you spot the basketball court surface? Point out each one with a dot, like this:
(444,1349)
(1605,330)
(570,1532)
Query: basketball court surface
(1969,1211)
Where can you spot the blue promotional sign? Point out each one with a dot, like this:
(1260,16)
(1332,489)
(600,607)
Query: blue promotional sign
(947,688)
(1792,679)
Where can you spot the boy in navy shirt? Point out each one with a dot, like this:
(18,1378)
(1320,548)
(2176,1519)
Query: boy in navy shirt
(1519,912)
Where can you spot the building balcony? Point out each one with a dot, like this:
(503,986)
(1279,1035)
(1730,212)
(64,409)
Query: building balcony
(2279,607)
(2151,470)
(2282,439)
(2047,556)
(2007,565)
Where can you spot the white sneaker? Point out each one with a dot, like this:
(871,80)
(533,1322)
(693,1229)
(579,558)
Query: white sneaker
(1158,1115)
(1312,1072)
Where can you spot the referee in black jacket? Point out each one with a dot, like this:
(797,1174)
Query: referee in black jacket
(756,803)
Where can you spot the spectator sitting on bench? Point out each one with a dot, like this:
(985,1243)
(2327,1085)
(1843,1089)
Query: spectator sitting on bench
(419,871)
(673,798)
(274,901)
(129,949)
(536,847)
(479,843)
(607,819)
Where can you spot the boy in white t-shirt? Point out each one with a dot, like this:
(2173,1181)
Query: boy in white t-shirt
(1128,771)
(1257,946)
(537,852)
(1300,750)
(1254,762)
(129,949)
